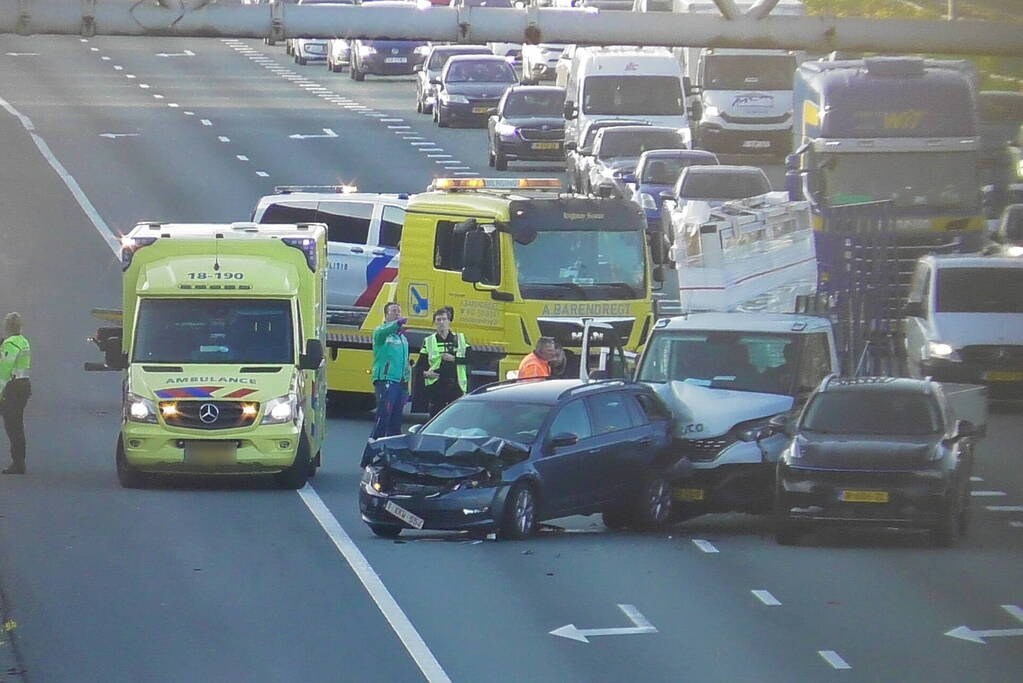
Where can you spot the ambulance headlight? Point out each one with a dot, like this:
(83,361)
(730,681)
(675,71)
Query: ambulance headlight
(280,410)
(139,408)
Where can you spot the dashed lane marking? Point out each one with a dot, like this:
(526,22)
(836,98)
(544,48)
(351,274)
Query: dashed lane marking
(466,173)
(1016,525)
(262,174)
(223,138)
(206,122)
(144,86)
(1005,508)
(157,96)
(173,105)
(129,75)
(988,494)
(834,659)
(241,157)
(766,598)
(189,113)
(105,58)
(118,68)
(976,478)
(705,546)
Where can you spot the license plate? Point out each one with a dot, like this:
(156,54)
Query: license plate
(689,495)
(849,496)
(480,110)
(1003,376)
(404,515)
(546,145)
(756,144)
(211,453)
(395,60)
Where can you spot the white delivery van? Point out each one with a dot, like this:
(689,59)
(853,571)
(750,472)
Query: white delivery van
(625,82)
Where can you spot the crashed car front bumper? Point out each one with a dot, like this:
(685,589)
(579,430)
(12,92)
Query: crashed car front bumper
(465,509)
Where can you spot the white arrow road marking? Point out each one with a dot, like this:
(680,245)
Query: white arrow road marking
(186,53)
(834,659)
(640,626)
(967,633)
(112,136)
(327,133)
(22,54)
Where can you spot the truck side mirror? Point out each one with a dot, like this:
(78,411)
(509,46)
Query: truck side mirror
(313,356)
(108,340)
(913,309)
(474,254)
(570,110)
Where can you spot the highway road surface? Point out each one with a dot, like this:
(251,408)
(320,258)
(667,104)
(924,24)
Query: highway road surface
(242,582)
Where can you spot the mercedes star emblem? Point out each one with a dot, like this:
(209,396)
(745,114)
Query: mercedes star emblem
(208,413)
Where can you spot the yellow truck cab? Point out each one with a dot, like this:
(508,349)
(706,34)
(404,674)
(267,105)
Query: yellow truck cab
(222,337)
(516,259)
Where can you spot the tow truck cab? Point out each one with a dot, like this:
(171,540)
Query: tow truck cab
(222,338)
(517,260)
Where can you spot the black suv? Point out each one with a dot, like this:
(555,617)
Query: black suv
(510,455)
(882,451)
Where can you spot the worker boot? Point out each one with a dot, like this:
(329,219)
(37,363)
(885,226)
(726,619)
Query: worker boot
(15,468)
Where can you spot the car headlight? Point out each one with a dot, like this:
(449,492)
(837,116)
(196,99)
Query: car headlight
(139,408)
(1014,251)
(942,350)
(506,130)
(371,482)
(454,99)
(647,201)
(422,50)
(367,50)
(280,410)
(712,111)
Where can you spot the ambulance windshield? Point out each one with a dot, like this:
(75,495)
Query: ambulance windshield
(227,331)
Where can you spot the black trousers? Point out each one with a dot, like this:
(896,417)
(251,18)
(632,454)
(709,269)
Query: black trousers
(16,393)
(440,394)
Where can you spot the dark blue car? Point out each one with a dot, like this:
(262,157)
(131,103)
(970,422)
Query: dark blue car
(657,172)
(510,455)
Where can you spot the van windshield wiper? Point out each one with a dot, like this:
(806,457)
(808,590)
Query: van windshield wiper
(621,285)
(568,285)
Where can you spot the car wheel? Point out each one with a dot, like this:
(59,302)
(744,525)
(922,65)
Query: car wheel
(302,61)
(128,476)
(500,160)
(653,507)
(786,532)
(946,531)
(385,530)
(296,476)
(616,518)
(357,73)
(419,105)
(964,510)
(519,519)
(442,121)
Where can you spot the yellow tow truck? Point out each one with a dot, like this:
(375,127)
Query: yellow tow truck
(517,259)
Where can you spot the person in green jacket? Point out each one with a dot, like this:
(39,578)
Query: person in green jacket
(447,375)
(390,371)
(15,389)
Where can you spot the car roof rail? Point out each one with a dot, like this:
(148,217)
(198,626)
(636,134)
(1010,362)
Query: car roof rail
(593,384)
(504,383)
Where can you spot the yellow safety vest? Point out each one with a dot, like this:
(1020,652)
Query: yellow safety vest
(434,349)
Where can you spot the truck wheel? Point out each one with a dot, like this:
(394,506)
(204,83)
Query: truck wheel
(128,476)
(500,160)
(296,476)
(519,518)
(652,508)
(385,530)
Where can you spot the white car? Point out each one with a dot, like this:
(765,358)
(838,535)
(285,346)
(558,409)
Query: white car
(309,50)
(540,62)
(339,54)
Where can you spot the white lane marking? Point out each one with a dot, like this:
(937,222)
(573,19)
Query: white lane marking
(223,138)
(189,113)
(327,133)
(186,53)
(173,105)
(262,174)
(102,228)
(22,54)
(94,49)
(158,97)
(976,478)
(466,173)
(83,40)
(118,68)
(129,75)
(144,85)
(392,120)
(766,597)
(206,122)
(423,144)
(438,156)
(988,493)
(1016,525)
(705,546)
(431,149)
(640,626)
(834,659)
(398,128)
(974,636)
(114,136)
(241,157)
(459,168)
(105,58)
(1005,508)
(371,581)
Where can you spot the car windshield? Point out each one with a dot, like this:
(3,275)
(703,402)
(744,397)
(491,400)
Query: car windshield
(723,186)
(509,420)
(872,412)
(749,72)
(440,57)
(488,3)
(915,180)
(632,143)
(633,96)
(665,170)
(214,331)
(539,103)
(489,71)
(741,361)
(596,127)
(980,290)
(582,264)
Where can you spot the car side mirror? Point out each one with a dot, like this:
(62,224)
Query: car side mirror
(564,439)
(313,356)
(414,429)
(782,424)
(570,110)
(435,81)
(571,145)
(629,178)
(965,428)
(666,194)
(417,67)
(913,309)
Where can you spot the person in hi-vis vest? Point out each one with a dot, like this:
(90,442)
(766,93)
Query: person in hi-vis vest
(15,388)
(447,373)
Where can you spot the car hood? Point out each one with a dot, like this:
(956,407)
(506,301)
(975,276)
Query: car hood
(552,122)
(446,457)
(967,329)
(212,382)
(858,452)
(486,91)
(705,412)
(750,102)
(627,164)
